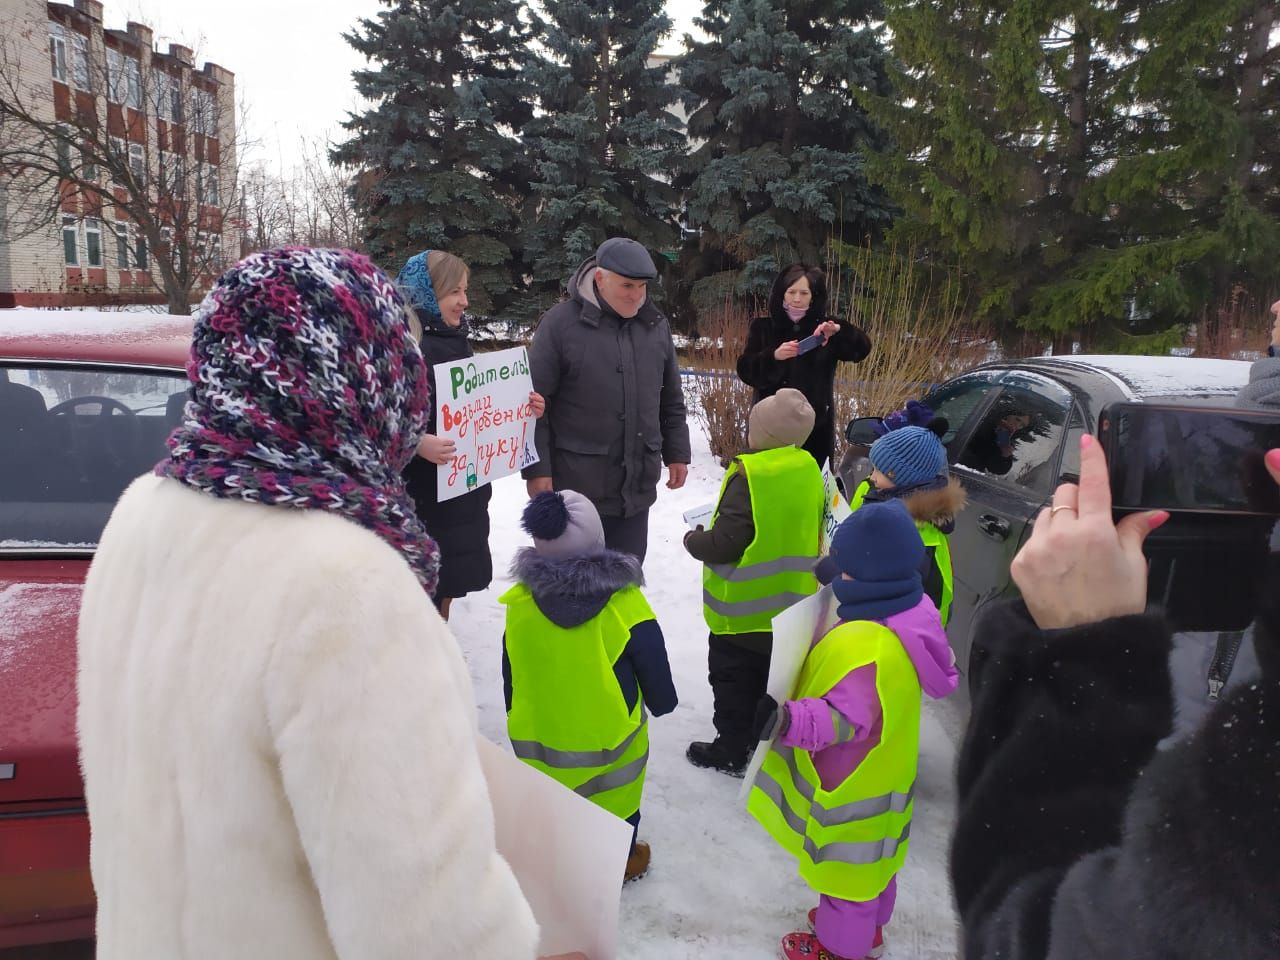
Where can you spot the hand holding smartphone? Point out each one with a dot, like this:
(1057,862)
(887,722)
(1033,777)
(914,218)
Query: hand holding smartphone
(809,343)
(1190,458)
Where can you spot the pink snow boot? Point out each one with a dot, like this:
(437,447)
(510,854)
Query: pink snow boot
(806,946)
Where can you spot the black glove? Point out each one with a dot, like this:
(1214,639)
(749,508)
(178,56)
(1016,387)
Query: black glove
(768,717)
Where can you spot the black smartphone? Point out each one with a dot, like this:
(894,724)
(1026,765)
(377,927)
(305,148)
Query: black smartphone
(808,343)
(1182,457)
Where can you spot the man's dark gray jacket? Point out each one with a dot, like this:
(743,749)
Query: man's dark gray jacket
(615,408)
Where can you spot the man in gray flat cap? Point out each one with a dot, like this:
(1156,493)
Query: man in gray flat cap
(604,360)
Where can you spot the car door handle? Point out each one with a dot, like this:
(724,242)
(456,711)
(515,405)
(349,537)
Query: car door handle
(997,528)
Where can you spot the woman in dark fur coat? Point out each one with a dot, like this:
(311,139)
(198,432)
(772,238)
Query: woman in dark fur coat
(1076,839)
(771,358)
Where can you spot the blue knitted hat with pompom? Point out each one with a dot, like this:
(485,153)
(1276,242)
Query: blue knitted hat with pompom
(909,456)
(563,524)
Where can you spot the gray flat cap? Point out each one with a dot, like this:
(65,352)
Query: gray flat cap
(626,258)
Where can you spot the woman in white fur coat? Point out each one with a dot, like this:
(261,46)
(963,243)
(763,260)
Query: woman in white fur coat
(277,730)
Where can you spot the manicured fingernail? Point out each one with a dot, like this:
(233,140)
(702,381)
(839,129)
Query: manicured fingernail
(1157,519)
(1086,441)
(1273,459)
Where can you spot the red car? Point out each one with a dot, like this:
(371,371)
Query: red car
(86,402)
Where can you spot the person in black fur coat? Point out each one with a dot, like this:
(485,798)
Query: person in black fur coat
(771,359)
(1076,838)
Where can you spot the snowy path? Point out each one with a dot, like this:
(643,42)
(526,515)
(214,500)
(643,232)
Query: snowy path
(718,887)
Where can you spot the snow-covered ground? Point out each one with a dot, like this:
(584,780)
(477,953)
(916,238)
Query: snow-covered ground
(718,886)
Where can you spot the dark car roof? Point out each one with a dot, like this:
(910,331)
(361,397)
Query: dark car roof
(1145,378)
(95,336)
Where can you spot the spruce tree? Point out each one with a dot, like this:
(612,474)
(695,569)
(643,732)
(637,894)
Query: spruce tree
(438,164)
(1097,168)
(605,140)
(1002,113)
(780,138)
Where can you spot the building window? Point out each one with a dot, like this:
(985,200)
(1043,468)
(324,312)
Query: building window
(70,242)
(133,78)
(88,169)
(58,52)
(62,144)
(122,246)
(124,79)
(115,75)
(202,108)
(93,242)
(168,97)
(207,184)
(138,162)
(140,261)
(80,62)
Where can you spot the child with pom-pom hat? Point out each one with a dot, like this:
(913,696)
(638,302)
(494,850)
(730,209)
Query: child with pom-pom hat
(583,661)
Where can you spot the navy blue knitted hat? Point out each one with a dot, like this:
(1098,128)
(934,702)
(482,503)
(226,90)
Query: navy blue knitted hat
(909,456)
(878,542)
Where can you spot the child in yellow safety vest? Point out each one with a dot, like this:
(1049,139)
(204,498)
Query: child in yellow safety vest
(583,661)
(909,463)
(836,787)
(758,558)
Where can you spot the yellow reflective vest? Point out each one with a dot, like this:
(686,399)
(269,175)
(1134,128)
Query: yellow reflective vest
(568,717)
(931,536)
(849,840)
(776,569)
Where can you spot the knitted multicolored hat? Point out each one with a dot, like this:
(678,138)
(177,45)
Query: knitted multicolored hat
(308,392)
(909,456)
(415,280)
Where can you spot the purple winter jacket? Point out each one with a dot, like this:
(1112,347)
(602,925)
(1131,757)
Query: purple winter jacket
(810,725)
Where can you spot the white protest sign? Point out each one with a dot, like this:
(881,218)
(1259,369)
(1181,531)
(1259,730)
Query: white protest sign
(483,407)
(795,630)
(834,509)
(567,854)
(700,516)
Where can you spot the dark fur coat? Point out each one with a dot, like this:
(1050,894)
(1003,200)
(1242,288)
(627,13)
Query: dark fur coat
(1076,839)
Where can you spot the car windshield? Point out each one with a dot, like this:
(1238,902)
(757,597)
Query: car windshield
(72,440)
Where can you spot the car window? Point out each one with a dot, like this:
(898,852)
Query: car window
(1020,435)
(958,399)
(73,438)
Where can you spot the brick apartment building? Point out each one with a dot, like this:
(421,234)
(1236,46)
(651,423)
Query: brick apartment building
(174,121)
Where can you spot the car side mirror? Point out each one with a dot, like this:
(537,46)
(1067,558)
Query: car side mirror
(862,431)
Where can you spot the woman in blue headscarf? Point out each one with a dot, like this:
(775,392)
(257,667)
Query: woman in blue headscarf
(435,283)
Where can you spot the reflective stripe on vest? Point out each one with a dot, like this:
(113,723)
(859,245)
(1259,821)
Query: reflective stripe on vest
(568,717)
(776,569)
(852,838)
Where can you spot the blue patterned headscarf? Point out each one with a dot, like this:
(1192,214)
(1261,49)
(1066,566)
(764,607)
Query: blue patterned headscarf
(415,280)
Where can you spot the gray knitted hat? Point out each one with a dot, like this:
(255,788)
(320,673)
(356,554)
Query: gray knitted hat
(563,524)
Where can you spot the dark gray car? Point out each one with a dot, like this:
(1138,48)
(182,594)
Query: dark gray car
(1013,436)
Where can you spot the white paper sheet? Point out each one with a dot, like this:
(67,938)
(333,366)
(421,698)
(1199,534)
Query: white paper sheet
(700,516)
(795,630)
(567,853)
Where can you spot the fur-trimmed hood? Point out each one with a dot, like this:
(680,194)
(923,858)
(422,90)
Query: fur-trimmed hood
(570,592)
(938,506)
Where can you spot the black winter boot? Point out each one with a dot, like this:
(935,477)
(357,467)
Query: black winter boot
(718,756)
